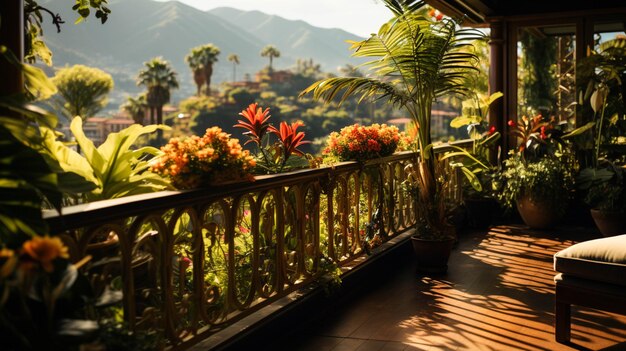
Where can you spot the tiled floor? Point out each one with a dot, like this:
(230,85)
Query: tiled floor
(497,295)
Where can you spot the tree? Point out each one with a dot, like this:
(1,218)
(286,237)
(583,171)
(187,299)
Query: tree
(200,60)
(159,78)
(270,51)
(136,107)
(82,90)
(235,60)
(414,61)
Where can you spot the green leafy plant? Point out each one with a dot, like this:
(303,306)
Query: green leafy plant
(476,163)
(605,187)
(602,179)
(548,179)
(119,170)
(542,167)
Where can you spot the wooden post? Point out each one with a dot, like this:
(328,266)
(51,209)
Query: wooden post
(497,81)
(11,36)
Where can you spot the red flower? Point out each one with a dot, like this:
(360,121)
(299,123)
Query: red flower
(492,130)
(511,123)
(439,17)
(290,138)
(257,124)
(543,132)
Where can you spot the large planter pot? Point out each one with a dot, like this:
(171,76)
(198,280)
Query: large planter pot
(537,214)
(609,223)
(432,255)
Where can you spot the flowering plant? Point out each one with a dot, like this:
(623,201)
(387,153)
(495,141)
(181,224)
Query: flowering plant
(272,158)
(362,143)
(541,167)
(41,296)
(538,137)
(197,161)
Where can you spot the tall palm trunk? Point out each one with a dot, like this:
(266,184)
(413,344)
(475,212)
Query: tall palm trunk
(152,114)
(198,78)
(208,72)
(159,115)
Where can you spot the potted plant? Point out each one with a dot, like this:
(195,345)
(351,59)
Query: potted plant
(415,59)
(601,141)
(538,177)
(476,163)
(606,196)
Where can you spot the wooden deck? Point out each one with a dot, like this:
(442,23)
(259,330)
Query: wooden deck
(497,295)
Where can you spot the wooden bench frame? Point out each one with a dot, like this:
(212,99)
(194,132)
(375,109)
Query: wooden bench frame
(567,295)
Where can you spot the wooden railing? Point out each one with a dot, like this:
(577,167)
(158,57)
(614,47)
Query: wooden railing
(187,263)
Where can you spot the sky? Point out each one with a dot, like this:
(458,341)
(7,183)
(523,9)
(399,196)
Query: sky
(361,17)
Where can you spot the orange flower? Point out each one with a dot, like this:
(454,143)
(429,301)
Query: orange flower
(290,138)
(257,123)
(45,249)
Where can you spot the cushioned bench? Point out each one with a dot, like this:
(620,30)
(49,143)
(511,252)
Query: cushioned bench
(590,274)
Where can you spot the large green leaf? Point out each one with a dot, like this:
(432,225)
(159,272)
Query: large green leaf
(579,130)
(36,81)
(75,174)
(461,121)
(95,159)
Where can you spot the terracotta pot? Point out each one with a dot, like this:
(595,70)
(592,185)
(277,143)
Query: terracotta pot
(537,215)
(432,255)
(609,223)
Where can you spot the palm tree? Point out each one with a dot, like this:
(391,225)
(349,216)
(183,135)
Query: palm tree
(235,60)
(159,78)
(415,60)
(200,60)
(270,51)
(136,108)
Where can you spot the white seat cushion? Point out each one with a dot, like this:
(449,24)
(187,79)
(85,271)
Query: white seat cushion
(602,260)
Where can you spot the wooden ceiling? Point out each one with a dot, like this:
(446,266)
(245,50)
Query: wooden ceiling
(478,12)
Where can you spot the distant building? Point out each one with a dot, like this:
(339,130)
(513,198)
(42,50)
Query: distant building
(97,129)
(246,84)
(273,76)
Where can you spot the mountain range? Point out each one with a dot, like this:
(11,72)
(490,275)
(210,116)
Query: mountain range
(138,30)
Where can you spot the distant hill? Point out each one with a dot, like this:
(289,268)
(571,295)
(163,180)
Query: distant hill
(138,30)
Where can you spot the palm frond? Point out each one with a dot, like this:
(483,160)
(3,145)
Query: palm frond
(367,88)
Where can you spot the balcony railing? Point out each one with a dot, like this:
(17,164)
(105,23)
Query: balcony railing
(188,263)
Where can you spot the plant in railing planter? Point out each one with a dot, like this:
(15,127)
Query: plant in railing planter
(283,154)
(538,177)
(211,159)
(415,59)
(362,143)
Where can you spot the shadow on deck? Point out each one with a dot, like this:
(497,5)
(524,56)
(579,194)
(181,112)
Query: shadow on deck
(497,295)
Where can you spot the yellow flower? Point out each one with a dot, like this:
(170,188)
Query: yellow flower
(45,249)
(8,260)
